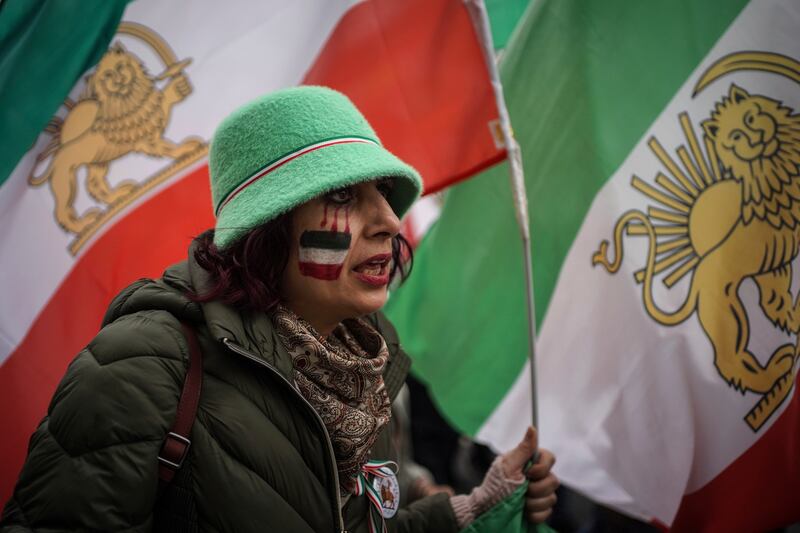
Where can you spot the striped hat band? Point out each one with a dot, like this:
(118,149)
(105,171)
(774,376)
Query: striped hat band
(276,164)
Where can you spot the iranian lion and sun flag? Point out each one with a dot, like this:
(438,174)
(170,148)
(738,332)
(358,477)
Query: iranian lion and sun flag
(661,143)
(116,185)
(662,146)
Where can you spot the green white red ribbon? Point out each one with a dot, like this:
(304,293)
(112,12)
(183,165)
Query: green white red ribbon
(274,165)
(380,469)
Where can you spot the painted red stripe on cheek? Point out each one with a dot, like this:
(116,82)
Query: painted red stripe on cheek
(323,272)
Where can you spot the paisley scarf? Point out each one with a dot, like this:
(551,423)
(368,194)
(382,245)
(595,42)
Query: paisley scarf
(342,378)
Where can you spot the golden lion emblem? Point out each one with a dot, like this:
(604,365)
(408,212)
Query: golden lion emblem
(735,219)
(121,111)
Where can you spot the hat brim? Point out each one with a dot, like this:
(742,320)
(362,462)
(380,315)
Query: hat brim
(322,171)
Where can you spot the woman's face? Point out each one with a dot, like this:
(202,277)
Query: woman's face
(341,254)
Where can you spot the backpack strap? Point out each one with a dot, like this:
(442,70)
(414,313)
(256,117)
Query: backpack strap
(176,444)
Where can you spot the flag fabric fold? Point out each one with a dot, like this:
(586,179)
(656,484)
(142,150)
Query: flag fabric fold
(666,368)
(116,185)
(47,47)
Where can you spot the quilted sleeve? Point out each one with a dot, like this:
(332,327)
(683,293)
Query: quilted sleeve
(92,462)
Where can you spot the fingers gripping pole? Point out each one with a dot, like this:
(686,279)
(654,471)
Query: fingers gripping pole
(480,20)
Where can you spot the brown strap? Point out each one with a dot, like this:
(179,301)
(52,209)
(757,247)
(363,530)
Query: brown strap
(177,442)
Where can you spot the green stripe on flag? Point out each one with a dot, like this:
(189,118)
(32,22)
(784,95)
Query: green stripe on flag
(44,48)
(583,82)
(503,17)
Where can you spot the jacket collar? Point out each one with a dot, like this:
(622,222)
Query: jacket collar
(251,331)
(254,332)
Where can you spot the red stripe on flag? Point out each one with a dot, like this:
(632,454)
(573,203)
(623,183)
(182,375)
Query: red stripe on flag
(759,491)
(153,236)
(423,85)
(425,72)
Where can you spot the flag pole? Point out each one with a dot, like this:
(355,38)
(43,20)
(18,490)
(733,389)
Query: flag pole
(480,19)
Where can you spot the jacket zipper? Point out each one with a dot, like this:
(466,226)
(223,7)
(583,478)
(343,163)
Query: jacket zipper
(241,351)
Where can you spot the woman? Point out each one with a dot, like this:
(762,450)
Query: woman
(298,366)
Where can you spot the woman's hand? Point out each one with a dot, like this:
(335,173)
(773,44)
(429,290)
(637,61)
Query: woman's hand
(542,483)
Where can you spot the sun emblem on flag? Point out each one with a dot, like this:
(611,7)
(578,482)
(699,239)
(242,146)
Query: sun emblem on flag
(732,215)
(122,110)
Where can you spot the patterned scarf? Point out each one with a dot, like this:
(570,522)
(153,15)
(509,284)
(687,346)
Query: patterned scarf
(342,378)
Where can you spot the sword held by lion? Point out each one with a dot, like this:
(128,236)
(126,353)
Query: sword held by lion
(121,111)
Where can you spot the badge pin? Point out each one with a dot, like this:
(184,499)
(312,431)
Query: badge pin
(389,490)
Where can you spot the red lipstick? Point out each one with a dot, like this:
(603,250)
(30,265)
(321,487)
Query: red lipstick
(375,270)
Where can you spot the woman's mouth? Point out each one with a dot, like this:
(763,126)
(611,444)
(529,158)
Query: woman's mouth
(375,270)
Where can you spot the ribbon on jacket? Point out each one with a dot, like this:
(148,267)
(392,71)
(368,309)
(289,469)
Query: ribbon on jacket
(374,469)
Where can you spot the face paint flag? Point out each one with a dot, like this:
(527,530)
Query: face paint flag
(322,253)
(106,112)
(661,143)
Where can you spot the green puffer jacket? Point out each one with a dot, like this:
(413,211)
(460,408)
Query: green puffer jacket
(260,458)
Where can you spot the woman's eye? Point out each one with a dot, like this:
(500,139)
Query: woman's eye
(340,196)
(385,188)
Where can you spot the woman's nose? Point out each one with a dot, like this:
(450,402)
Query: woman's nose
(384,221)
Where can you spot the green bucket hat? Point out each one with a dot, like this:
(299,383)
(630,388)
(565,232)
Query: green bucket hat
(290,146)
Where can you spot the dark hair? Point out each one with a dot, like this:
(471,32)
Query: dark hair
(248,273)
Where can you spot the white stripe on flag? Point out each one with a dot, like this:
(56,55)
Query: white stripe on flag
(637,412)
(240,54)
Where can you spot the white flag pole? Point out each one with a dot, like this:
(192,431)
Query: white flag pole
(480,20)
